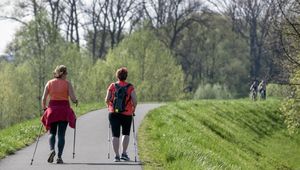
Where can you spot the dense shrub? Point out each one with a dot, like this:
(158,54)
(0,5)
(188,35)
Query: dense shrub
(291,106)
(209,91)
(152,69)
(278,91)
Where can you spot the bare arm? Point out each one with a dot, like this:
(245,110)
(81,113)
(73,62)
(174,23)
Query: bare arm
(134,100)
(72,94)
(44,97)
(108,96)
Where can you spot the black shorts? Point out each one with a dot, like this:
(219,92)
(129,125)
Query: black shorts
(117,121)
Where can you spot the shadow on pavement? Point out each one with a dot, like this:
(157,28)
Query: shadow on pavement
(131,163)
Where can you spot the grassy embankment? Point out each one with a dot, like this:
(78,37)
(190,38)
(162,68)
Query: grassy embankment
(217,134)
(20,135)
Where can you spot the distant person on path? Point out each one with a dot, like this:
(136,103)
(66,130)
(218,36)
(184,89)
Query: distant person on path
(121,102)
(262,87)
(58,113)
(254,89)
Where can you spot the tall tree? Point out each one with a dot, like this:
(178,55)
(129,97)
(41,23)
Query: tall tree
(119,12)
(108,21)
(97,34)
(290,38)
(171,16)
(56,11)
(71,21)
(252,19)
(289,30)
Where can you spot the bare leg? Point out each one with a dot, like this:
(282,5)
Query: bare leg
(116,143)
(125,142)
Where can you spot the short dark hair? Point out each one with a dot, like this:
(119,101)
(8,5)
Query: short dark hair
(122,73)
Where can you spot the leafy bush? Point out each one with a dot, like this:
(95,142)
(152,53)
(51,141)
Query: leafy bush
(291,106)
(18,97)
(209,91)
(278,91)
(290,109)
(152,68)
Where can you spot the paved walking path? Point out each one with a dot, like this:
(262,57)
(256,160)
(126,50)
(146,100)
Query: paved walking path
(91,147)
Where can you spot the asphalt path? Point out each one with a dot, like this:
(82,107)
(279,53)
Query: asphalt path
(91,149)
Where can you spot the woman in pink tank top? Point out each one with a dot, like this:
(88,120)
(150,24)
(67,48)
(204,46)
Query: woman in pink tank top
(58,113)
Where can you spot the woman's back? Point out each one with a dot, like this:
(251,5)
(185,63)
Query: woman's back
(58,89)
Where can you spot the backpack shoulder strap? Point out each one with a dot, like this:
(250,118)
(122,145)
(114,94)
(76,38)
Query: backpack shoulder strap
(128,85)
(117,86)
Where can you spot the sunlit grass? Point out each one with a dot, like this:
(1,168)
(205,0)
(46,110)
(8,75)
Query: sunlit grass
(23,134)
(218,134)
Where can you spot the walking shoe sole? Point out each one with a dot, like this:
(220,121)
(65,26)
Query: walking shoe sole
(117,159)
(51,157)
(124,159)
(59,161)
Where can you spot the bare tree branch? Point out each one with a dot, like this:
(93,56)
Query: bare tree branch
(289,57)
(288,20)
(13,18)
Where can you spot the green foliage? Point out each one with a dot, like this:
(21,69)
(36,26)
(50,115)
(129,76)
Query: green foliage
(233,65)
(89,37)
(290,109)
(94,81)
(209,55)
(79,69)
(278,90)
(19,87)
(152,68)
(291,106)
(218,134)
(16,93)
(38,49)
(215,91)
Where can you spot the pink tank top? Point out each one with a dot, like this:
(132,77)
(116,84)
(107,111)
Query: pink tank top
(58,89)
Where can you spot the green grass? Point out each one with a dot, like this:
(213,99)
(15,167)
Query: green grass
(218,134)
(20,135)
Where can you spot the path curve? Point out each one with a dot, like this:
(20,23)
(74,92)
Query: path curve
(91,147)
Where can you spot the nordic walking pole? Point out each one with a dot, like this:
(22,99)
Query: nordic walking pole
(108,139)
(37,142)
(74,139)
(134,138)
(75,133)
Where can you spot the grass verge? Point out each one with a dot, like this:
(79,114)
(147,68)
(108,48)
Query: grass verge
(218,134)
(20,135)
